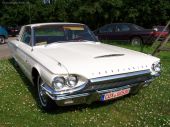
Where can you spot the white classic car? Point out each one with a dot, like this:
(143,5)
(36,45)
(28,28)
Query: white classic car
(68,65)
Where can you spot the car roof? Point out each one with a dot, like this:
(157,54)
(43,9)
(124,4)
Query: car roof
(54,23)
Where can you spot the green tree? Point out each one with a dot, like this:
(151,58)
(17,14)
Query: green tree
(93,13)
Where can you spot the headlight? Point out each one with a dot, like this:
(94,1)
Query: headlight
(58,83)
(72,80)
(156,67)
(68,83)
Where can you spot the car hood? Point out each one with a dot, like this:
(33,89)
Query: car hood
(93,60)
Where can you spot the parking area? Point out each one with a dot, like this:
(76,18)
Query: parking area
(4,51)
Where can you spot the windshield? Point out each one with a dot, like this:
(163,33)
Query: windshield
(61,34)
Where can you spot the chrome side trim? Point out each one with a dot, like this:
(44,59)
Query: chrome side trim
(119,76)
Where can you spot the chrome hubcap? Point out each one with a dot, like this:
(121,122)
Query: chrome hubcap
(42,94)
(136,41)
(1,40)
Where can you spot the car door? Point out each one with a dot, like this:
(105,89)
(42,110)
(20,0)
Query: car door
(24,50)
(122,32)
(105,32)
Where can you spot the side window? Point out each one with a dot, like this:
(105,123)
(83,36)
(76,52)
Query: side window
(107,29)
(103,29)
(138,28)
(122,28)
(26,35)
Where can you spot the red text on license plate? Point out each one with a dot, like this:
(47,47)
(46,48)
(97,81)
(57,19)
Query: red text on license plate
(116,94)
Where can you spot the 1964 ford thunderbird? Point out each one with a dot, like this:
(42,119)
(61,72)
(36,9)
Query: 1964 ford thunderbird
(68,65)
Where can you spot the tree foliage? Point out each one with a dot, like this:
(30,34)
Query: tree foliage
(93,13)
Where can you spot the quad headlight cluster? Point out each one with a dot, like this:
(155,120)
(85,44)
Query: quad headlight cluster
(72,81)
(156,67)
(58,83)
(67,82)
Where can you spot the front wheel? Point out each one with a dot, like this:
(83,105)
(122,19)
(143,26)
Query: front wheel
(136,41)
(2,40)
(44,101)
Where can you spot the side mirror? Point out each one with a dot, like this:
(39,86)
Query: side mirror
(155,29)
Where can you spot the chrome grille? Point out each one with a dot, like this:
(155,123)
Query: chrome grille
(118,80)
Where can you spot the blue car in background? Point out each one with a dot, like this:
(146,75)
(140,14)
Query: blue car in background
(3,35)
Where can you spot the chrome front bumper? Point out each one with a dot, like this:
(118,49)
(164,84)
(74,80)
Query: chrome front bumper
(84,98)
(100,86)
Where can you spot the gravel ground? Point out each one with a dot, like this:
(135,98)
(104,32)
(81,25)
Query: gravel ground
(4,50)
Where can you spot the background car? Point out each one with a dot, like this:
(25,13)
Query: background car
(135,34)
(161,31)
(13,30)
(3,35)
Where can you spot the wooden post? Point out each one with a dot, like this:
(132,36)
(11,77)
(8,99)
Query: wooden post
(161,47)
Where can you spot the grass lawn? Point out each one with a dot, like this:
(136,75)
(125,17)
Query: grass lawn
(149,108)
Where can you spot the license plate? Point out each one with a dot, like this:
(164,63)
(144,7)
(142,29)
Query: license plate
(115,94)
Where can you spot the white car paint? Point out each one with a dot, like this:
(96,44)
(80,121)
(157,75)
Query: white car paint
(78,58)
